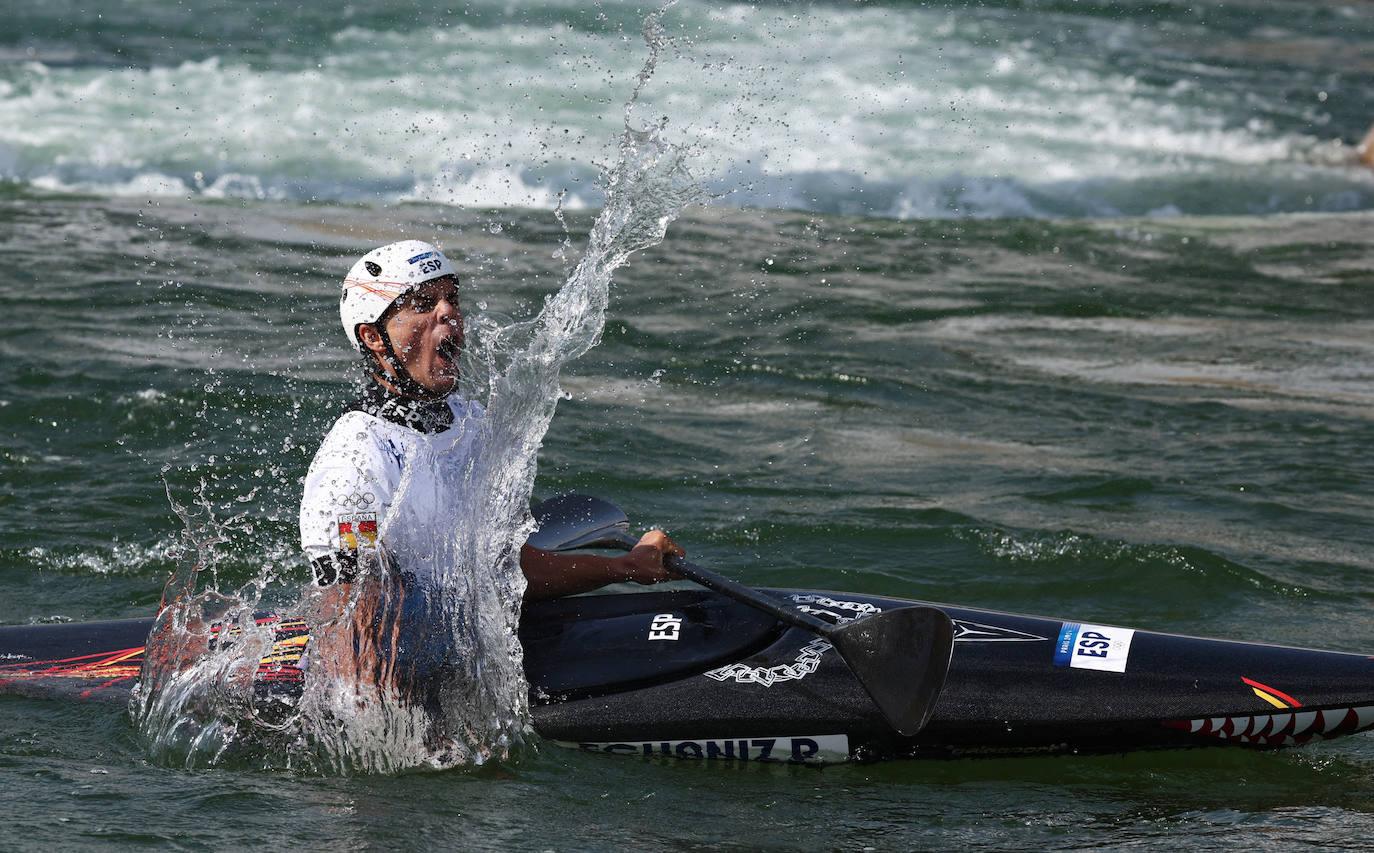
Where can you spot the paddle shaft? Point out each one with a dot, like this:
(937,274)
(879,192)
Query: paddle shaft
(748,595)
(738,591)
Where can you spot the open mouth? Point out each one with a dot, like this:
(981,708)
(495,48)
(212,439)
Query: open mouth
(448,349)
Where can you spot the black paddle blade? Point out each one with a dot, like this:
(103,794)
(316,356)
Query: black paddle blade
(568,522)
(901,658)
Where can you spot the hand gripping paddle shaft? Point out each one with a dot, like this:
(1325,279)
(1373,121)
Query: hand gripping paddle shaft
(900,657)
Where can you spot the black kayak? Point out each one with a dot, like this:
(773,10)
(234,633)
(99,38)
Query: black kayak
(693,674)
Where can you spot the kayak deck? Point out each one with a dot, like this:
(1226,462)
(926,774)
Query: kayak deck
(692,674)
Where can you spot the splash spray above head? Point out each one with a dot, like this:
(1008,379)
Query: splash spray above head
(399,305)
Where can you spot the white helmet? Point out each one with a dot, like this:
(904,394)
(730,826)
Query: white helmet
(383,275)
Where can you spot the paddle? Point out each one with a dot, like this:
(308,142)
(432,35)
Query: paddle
(900,656)
(570,522)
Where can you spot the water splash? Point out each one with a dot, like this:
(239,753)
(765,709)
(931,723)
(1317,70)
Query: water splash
(457,521)
(195,691)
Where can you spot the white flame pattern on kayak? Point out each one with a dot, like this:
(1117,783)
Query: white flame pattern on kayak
(808,661)
(808,658)
(1281,729)
(827,606)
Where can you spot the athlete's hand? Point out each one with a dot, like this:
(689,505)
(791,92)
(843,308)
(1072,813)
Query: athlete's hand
(644,564)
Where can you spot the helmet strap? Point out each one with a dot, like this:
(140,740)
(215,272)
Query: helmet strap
(401,378)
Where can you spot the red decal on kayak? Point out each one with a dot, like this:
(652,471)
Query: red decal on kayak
(115,666)
(1287,700)
(1286,729)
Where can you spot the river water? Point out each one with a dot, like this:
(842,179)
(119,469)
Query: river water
(1047,307)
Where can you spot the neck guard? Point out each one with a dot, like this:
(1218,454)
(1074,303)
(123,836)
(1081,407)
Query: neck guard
(427,416)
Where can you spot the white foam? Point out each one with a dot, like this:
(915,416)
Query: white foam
(900,112)
(150,184)
(499,187)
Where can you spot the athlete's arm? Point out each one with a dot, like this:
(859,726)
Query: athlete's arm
(550,575)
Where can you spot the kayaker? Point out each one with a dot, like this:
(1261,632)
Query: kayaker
(369,616)
(400,310)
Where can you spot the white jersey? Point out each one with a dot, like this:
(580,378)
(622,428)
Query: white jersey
(354,475)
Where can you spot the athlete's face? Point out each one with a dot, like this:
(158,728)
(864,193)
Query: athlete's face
(426,331)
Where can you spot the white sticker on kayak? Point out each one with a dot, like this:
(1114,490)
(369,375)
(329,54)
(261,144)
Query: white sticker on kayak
(810,749)
(1099,647)
(665,626)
